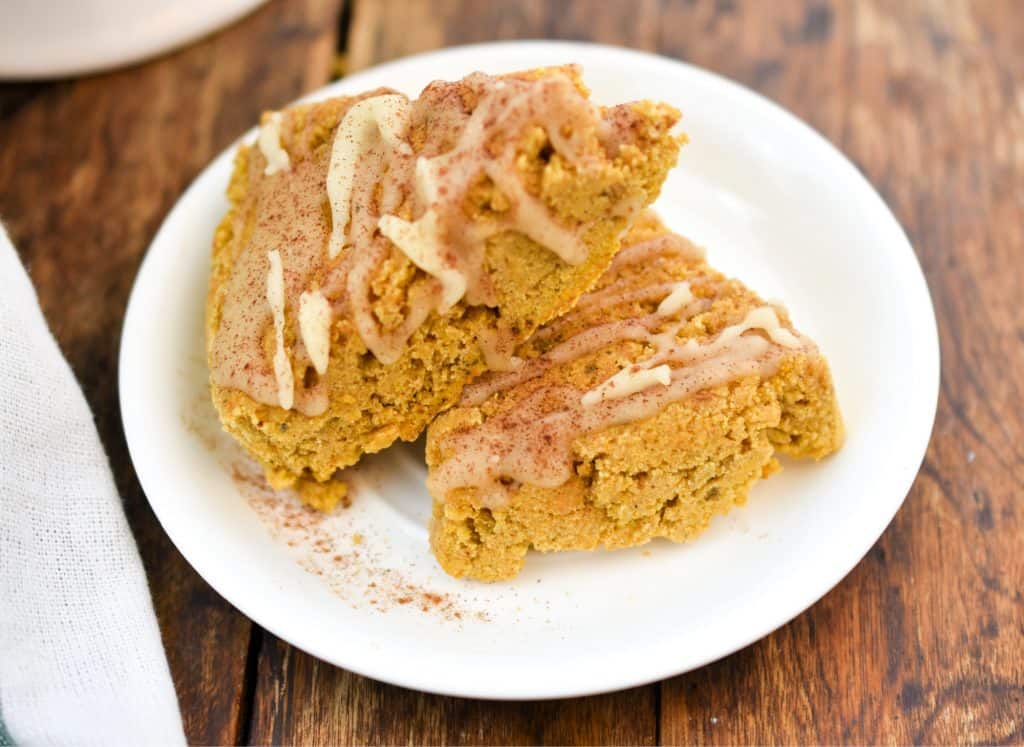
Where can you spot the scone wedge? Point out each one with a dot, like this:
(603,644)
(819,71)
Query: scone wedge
(379,252)
(651,407)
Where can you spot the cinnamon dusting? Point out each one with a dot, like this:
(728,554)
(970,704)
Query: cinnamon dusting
(385,192)
(531,443)
(345,561)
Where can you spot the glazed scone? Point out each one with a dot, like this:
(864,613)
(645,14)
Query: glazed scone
(652,406)
(379,252)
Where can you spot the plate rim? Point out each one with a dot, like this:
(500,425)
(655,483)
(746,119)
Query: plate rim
(908,473)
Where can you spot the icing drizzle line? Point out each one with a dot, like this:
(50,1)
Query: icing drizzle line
(382,196)
(275,299)
(269,142)
(441,240)
(531,442)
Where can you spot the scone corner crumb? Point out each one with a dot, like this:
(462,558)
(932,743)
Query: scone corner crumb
(324,496)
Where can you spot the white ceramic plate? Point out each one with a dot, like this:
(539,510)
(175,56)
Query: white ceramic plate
(50,38)
(780,208)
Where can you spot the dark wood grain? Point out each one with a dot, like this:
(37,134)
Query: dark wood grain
(88,169)
(923,642)
(302,700)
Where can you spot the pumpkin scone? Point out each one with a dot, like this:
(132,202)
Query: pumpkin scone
(379,252)
(652,406)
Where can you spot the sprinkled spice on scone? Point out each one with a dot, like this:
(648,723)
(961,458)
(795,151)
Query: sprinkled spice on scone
(380,252)
(652,406)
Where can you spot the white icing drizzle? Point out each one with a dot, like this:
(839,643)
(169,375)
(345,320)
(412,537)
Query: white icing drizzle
(639,376)
(421,241)
(585,342)
(665,245)
(677,299)
(455,258)
(533,218)
(629,380)
(765,319)
(379,120)
(269,142)
(275,298)
(296,229)
(315,328)
(531,441)
(617,293)
(377,188)
(440,239)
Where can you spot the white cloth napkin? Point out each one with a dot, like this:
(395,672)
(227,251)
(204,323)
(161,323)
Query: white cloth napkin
(81,661)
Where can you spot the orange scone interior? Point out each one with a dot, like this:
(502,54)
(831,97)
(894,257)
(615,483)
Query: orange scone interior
(651,407)
(380,251)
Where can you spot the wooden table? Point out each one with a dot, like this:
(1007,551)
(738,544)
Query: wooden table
(922,642)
